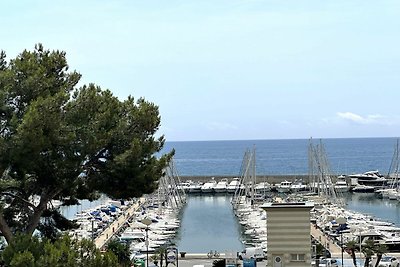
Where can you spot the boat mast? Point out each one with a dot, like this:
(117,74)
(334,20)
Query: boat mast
(393,173)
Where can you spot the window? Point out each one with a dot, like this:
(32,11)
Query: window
(298,257)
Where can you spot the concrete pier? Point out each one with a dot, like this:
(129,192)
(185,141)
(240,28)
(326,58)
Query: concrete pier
(113,228)
(328,243)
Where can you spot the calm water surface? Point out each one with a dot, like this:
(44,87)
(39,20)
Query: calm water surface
(384,209)
(208,223)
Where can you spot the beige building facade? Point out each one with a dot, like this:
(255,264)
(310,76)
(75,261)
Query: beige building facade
(288,234)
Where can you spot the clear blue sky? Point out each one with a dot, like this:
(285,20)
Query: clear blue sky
(231,69)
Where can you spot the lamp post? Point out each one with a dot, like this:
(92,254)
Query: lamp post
(93,219)
(360,244)
(147,222)
(341,221)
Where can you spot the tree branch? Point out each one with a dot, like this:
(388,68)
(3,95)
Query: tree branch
(19,198)
(44,200)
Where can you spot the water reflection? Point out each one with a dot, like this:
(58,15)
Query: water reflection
(208,223)
(384,209)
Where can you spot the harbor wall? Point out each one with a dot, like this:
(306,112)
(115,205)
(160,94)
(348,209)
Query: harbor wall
(272,179)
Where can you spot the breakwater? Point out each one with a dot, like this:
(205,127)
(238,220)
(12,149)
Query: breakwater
(260,178)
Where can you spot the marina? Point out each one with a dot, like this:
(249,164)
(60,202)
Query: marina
(187,213)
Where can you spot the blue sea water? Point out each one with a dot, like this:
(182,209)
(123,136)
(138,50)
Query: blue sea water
(279,157)
(204,216)
(208,223)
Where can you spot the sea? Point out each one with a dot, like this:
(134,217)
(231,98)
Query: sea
(208,222)
(280,157)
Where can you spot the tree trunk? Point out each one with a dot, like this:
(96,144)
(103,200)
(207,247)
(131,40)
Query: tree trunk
(5,229)
(353,256)
(378,259)
(37,214)
(367,260)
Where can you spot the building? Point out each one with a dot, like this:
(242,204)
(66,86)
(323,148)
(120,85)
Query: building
(288,234)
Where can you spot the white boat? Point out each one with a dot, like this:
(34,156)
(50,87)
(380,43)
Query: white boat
(233,185)
(221,186)
(298,187)
(185,186)
(208,187)
(370,178)
(363,189)
(284,186)
(341,185)
(262,188)
(195,188)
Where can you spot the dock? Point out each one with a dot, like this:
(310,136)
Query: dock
(328,243)
(116,225)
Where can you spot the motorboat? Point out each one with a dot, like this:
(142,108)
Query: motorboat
(370,178)
(262,188)
(234,185)
(221,186)
(341,185)
(195,188)
(298,186)
(363,189)
(284,186)
(208,187)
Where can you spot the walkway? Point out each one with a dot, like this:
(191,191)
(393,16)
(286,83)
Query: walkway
(113,228)
(328,243)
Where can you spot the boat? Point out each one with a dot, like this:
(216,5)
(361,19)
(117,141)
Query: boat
(369,178)
(298,186)
(208,187)
(284,187)
(233,185)
(363,189)
(262,188)
(341,185)
(221,186)
(195,188)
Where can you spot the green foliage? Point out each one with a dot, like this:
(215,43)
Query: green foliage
(58,141)
(368,249)
(22,249)
(64,252)
(121,251)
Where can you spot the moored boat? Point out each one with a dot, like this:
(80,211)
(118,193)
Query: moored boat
(233,185)
(208,187)
(363,189)
(221,186)
(369,178)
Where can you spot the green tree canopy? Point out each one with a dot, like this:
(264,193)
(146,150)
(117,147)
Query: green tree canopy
(58,141)
(25,250)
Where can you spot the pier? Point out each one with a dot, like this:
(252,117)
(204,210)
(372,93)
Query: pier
(114,227)
(328,243)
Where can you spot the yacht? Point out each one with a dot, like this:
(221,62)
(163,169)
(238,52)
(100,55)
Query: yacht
(298,186)
(341,185)
(208,187)
(284,186)
(195,188)
(233,185)
(262,188)
(370,178)
(221,186)
(361,188)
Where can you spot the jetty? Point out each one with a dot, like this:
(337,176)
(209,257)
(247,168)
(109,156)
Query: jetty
(116,225)
(328,243)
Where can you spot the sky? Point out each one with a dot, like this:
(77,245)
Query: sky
(230,69)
